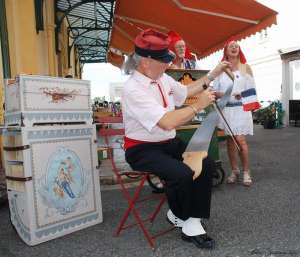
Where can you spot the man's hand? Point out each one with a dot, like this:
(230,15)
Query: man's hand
(219,69)
(206,97)
(219,95)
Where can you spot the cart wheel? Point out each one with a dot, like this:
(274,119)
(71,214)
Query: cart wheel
(156,184)
(218,176)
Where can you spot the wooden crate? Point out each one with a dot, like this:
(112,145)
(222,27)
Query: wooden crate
(52,180)
(32,100)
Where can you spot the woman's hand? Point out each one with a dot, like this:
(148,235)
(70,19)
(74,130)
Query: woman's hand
(221,67)
(237,96)
(219,95)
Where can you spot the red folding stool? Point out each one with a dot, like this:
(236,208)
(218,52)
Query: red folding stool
(107,131)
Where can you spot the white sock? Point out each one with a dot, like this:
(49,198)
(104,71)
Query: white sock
(175,220)
(193,227)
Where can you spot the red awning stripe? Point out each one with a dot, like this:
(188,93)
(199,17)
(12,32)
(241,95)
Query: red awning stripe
(204,33)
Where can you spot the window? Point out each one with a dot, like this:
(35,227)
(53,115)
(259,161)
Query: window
(294,67)
(4,40)
(39,19)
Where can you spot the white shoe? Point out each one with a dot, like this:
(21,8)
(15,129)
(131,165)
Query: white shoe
(247,180)
(234,176)
(174,220)
(193,227)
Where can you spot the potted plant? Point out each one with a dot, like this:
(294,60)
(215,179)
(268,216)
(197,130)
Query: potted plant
(268,117)
(279,114)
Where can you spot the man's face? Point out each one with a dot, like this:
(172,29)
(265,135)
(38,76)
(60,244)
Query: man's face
(153,68)
(180,48)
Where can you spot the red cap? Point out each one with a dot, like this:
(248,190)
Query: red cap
(154,44)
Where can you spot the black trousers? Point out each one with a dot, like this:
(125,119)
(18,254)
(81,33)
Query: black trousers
(186,197)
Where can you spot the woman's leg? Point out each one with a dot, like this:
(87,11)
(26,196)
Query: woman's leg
(232,154)
(244,154)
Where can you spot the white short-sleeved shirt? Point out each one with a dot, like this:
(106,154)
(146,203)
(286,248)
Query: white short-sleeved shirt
(142,106)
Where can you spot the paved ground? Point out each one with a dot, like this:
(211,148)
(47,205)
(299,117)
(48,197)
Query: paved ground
(259,221)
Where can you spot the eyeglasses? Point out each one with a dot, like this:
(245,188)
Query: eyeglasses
(180,46)
(233,46)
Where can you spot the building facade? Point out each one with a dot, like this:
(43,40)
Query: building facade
(291,84)
(28,43)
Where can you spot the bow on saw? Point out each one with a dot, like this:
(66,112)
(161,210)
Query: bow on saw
(198,146)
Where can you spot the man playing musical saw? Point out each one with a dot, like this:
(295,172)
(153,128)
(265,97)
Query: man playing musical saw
(148,104)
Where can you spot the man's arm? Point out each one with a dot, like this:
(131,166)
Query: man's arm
(196,87)
(181,116)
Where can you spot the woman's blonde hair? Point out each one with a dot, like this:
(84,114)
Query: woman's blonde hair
(245,69)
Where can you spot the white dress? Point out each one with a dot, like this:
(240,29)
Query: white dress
(240,121)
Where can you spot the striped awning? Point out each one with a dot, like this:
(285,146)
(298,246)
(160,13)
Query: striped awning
(104,30)
(205,25)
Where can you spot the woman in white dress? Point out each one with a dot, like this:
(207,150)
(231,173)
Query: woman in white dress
(239,120)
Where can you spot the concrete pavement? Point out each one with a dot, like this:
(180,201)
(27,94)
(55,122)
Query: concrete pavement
(260,221)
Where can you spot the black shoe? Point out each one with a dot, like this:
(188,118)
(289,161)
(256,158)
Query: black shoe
(200,241)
